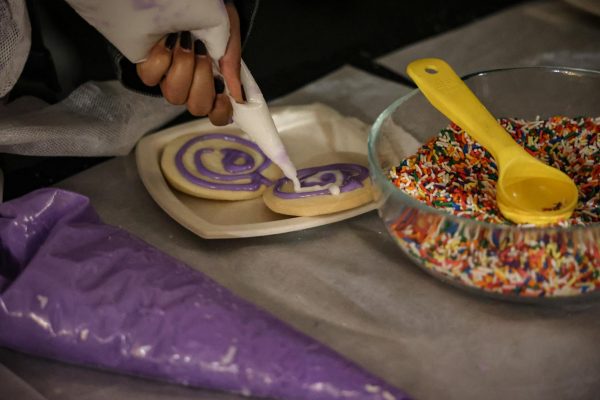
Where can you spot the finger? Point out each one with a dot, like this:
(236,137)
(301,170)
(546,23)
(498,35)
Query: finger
(157,64)
(230,63)
(176,84)
(222,110)
(202,90)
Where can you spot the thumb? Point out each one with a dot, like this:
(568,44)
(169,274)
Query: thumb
(231,74)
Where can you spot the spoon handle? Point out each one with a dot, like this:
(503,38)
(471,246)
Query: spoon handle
(453,98)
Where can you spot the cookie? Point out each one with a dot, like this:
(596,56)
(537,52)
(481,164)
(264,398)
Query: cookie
(325,189)
(220,166)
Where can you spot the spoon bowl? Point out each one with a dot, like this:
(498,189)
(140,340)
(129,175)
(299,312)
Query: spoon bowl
(528,186)
(527,191)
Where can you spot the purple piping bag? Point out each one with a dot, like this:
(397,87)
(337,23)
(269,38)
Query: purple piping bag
(75,289)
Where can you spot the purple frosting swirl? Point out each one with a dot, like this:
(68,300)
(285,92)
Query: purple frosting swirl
(238,163)
(352,177)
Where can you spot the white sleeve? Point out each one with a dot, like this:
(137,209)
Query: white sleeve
(134,26)
(15,42)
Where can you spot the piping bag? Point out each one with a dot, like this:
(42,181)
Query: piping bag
(75,289)
(254,118)
(134,26)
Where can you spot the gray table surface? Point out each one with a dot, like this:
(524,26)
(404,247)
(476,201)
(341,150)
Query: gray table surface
(349,286)
(543,33)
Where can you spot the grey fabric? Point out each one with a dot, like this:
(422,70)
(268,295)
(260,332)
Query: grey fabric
(15,40)
(97,119)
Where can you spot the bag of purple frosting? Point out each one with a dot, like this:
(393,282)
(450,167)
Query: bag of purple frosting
(75,289)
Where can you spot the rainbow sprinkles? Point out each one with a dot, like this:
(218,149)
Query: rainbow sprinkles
(453,173)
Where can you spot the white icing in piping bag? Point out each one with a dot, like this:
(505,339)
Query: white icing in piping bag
(253,117)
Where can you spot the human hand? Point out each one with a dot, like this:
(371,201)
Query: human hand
(183,69)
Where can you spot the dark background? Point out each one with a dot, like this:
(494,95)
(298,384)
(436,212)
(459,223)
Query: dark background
(292,43)
(297,41)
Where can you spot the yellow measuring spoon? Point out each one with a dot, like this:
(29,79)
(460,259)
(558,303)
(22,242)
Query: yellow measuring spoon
(528,191)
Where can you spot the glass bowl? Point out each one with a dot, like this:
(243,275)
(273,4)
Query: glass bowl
(507,261)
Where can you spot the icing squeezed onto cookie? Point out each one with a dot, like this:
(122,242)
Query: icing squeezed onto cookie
(238,165)
(254,118)
(324,180)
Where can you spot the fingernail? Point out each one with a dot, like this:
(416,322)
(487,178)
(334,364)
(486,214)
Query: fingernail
(199,48)
(185,40)
(171,40)
(219,86)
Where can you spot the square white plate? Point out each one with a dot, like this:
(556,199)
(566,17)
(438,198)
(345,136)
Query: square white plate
(313,135)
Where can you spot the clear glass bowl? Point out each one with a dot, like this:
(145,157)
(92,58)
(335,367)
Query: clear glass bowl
(506,261)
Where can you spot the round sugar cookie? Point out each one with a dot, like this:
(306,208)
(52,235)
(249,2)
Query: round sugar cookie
(219,166)
(351,180)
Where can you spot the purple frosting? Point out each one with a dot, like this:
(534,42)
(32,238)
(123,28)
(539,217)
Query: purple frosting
(352,177)
(238,164)
(75,289)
